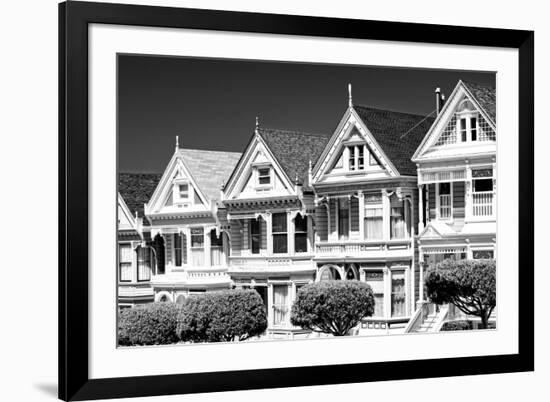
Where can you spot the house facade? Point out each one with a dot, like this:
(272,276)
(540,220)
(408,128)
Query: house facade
(270,208)
(367,207)
(457,179)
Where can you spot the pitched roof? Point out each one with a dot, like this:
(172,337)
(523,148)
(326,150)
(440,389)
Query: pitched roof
(136,189)
(210,169)
(293,150)
(485,96)
(399,134)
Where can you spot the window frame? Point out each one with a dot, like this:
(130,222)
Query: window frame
(282,233)
(438,201)
(373,206)
(260,176)
(251,236)
(301,233)
(120,262)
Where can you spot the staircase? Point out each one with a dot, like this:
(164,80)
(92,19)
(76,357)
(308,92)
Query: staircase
(427,318)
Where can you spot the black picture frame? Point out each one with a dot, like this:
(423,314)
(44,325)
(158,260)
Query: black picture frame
(74,18)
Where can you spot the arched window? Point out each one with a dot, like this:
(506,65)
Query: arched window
(164,299)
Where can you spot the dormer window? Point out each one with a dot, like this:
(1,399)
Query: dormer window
(356,157)
(264,176)
(183,190)
(467,122)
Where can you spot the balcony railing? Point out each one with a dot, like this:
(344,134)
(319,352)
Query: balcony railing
(445,206)
(355,248)
(482,203)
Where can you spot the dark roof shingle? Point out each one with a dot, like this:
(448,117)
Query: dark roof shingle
(137,188)
(485,96)
(399,134)
(210,169)
(293,150)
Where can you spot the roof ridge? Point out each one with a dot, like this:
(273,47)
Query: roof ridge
(209,150)
(393,111)
(282,130)
(492,86)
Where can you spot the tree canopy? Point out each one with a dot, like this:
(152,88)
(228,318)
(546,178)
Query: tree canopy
(468,284)
(332,307)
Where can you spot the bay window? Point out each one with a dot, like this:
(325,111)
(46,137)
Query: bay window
(300,234)
(197,246)
(343,218)
(398,223)
(398,294)
(279,233)
(482,192)
(255,236)
(125,262)
(145,263)
(373,222)
(216,248)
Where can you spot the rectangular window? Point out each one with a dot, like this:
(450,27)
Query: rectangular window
(398,224)
(178,249)
(197,246)
(473,128)
(483,254)
(351,158)
(343,218)
(280,304)
(300,234)
(445,206)
(125,262)
(255,236)
(279,233)
(398,294)
(375,279)
(183,190)
(463,131)
(373,223)
(360,158)
(216,249)
(264,176)
(144,263)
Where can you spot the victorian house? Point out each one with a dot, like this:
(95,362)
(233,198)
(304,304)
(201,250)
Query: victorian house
(457,182)
(136,257)
(366,204)
(270,209)
(188,226)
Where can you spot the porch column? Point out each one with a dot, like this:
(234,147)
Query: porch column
(385,215)
(269,233)
(421,276)
(420,209)
(361,198)
(207,245)
(328,219)
(427,206)
(290,232)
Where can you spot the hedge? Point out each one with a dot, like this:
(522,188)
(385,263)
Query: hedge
(149,324)
(229,315)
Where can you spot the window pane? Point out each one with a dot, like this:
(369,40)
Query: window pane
(255,236)
(473,128)
(300,223)
(444,188)
(343,218)
(280,244)
(177,249)
(264,176)
(483,185)
(300,243)
(144,263)
(280,304)
(482,173)
(373,223)
(398,227)
(197,237)
(361,160)
(376,281)
(279,223)
(215,240)
(398,294)
(463,130)
(351,158)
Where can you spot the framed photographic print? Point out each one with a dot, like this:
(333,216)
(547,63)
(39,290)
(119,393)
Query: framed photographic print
(258,201)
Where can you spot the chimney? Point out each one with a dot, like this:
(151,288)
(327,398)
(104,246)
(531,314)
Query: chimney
(438,103)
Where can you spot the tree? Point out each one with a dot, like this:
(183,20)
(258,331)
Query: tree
(468,284)
(333,307)
(227,315)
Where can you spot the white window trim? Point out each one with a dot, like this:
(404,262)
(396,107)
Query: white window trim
(176,192)
(374,206)
(256,175)
(437,202)
(468,115)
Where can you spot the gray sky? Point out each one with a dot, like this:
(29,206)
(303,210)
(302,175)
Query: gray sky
(213,103)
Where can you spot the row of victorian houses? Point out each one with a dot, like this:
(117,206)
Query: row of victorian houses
(381,199)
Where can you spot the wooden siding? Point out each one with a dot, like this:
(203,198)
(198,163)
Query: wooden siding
(458,200)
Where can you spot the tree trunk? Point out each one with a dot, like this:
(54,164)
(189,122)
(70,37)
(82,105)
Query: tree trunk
(484,319)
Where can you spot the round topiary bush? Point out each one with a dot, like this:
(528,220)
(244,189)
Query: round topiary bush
(332,307)
(229,315)
(149,324)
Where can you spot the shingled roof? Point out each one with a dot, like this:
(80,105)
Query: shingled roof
(210,169)
(485,96)
(399,134)
(136,189)
(293,150)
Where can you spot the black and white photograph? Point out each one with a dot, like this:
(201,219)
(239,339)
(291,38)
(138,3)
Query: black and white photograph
(263,200)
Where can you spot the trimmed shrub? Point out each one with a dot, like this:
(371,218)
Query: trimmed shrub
(332,307)
(149,324)
(462,325)
(228,315)
(468,284)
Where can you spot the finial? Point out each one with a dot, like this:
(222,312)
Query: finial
(310,165)
(223,185)
(257,123)
(177,142)
(136,214)
(296,180)
(350,100)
